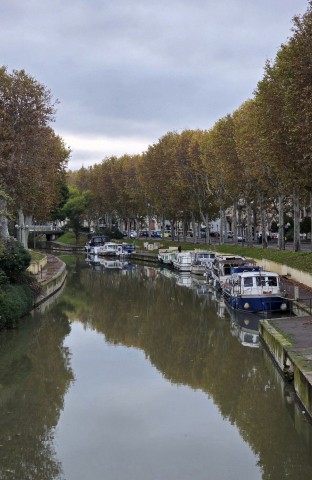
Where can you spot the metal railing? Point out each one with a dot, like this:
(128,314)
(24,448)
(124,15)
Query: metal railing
(44,228)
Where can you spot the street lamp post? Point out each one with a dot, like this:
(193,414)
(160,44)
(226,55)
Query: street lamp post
(17,232)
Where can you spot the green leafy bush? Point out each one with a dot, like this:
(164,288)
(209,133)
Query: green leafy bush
(3,278)
(14,260)
(15,302)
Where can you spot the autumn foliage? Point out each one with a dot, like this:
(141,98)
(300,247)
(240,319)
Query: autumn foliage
(32,157)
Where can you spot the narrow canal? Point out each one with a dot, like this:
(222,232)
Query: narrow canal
(139,374)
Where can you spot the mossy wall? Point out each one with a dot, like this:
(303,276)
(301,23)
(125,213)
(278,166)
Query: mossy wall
(303,388)
(35,267)
(274,341)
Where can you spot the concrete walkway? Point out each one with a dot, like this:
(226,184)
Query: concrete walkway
(51,278)
(289,341)
(53,267)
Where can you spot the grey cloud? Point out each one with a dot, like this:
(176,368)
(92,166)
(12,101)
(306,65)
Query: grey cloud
(140,68)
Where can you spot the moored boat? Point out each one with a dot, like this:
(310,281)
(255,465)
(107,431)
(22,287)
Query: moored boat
(94,243)
(183,261)
(255,290)
(221,270)
(166,256)
(202,260)
(110,249)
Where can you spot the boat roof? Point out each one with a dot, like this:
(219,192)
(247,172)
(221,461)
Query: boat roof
(245,268)
(168,250)
(258,273)
(204,251)
(232,260)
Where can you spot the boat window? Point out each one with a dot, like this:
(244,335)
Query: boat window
(272,281)
(260,281)
(248,281)
(227,270)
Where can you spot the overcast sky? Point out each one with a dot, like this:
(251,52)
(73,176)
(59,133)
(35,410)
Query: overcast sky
(126,72)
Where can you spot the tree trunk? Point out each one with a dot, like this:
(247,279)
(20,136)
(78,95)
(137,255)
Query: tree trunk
(234,222)
(263,224)
(22,229)
(296,222)
(4,230)
(193,228)
(222,224)
(172,225)
(185,225)
(281,230)
(249,225)
(311,218)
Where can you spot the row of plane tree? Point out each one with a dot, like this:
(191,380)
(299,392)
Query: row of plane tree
(257,159)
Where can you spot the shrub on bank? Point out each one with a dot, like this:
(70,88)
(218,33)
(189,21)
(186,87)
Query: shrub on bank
(16,286)
(15,302)
(14,260)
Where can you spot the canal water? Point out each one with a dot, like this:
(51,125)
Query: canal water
(139,374)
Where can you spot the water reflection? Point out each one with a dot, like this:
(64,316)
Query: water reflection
(182,399)
(100,263)
(245,326)
(35,374)
(185,339)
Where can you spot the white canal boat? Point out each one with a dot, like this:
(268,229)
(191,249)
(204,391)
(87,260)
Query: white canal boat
(183,261)
(221,268)
(202,260)
(166,256)
(254,290)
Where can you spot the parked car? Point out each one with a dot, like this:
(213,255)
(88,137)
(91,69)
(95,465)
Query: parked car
(144,233)
(240,238)
(156,234)
(133,234)
(230,234)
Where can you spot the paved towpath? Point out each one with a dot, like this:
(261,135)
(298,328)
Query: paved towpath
(53,267)
(299,329)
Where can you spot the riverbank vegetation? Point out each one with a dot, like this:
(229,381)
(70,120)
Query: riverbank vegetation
(32,183)
(298,260)
(255,161)
(16,285)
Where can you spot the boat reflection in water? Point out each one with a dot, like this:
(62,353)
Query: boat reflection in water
(245,326)
(101,263)
(186,279)
(200,285)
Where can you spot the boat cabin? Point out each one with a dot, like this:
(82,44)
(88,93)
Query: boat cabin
(255,282)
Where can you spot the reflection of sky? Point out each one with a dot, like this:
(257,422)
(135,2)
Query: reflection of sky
(123,420)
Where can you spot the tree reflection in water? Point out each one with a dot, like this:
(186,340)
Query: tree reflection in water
(35,374)
(181,334)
